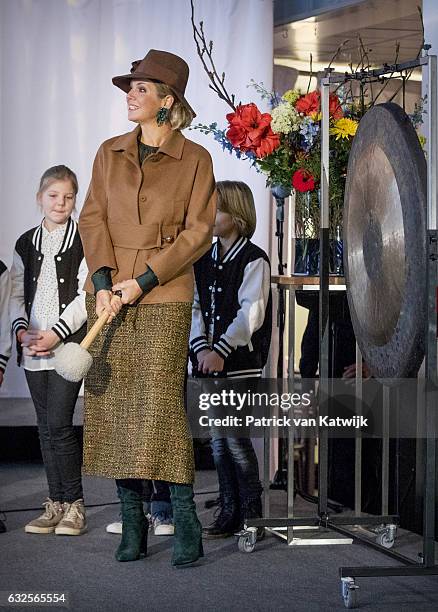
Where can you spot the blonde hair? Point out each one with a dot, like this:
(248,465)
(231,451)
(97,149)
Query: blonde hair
(58,173)
(179,117)
(236,199)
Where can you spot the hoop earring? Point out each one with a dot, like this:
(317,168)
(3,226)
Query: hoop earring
(162,115)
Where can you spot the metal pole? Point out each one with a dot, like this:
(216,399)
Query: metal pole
(324,296)
(431,332)
(358,437)
(385,449)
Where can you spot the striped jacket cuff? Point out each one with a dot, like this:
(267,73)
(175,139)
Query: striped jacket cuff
(222,348)
(3,362)
(20,323)
(199,344)
(61,329)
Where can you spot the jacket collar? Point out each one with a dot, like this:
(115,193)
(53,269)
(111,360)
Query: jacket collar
(232,251)
(69,236)
(173,146)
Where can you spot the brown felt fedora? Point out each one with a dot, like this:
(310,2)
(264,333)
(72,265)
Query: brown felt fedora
(159,66)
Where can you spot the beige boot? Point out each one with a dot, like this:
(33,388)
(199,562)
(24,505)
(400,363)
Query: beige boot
(47,522)
(73,521)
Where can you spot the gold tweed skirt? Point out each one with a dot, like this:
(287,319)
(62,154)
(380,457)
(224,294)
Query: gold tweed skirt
(135,425)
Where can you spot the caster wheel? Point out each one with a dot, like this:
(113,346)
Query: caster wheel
(245,544)
(385,540)
(349,593)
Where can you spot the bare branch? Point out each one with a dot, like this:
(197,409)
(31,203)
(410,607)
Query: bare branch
(387,79)
(204,51)
(368,66)
(310,74)
(337,52)
(409,73)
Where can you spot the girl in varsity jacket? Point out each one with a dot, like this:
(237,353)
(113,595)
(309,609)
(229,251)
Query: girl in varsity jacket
(47,308)
(230,337)
(5,328)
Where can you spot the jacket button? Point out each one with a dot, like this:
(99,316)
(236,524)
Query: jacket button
(34,278)
(217,318)
(61,280)
(62,305)
(169,239)
(210,287)
(142,198)
(215,373)
(39,258)
(58,258)
(219,289)
(220,267)
(206,314)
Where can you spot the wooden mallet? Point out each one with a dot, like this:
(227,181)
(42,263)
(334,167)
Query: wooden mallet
(73,361)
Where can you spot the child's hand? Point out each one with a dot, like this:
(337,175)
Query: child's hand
(212,362)
(350,371)
(26,337)
(43,345)
(130,289)
(200,358)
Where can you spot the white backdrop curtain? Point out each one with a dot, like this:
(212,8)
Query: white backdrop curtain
(58,104)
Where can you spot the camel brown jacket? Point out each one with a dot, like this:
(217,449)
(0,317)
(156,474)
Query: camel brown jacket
(159,215)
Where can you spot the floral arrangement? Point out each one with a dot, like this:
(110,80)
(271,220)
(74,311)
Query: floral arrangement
(285,144)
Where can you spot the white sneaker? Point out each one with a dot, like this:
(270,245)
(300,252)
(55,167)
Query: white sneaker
(115,528)
(162,526)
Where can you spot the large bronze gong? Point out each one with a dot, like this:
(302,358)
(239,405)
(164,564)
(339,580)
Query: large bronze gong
(385,242)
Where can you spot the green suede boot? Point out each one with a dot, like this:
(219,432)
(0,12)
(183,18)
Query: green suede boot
(134,526)
(187,548)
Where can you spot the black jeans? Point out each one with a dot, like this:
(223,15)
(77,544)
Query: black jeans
(150,490)
(54,399)
(237,469)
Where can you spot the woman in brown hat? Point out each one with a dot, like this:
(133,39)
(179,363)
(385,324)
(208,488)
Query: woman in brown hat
(148,216)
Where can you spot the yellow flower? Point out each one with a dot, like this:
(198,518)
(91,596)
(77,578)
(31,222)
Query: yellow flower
(344,128)
(291,96)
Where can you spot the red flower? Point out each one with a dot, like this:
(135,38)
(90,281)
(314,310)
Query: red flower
(335,108)
(303,181)
(250,130)
(310,104)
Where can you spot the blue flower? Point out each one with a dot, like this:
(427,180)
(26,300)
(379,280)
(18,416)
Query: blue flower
(309,132)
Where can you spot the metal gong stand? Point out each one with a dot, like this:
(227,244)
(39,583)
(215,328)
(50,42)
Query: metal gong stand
(323,518)
(426,566)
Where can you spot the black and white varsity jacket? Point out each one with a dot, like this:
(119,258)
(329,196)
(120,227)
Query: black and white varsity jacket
(232,309)
(71,272)
(5,328)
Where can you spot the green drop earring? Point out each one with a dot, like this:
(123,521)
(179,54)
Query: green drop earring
(162,115)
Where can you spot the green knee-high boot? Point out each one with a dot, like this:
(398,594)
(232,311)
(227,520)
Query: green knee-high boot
(187,546)
(134,526)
